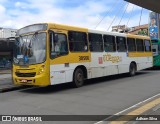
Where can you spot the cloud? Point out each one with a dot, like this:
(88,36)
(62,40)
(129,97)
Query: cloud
(21,5)
(2,9)
(132,7)
(74,12)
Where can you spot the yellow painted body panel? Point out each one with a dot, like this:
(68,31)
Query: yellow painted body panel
(66,27)
(38,80)
(72,58)
(44,78)
(140,54)
(138,36)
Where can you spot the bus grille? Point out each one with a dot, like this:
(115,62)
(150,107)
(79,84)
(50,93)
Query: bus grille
(33,74)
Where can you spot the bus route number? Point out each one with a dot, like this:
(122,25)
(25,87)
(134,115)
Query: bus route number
(82,58)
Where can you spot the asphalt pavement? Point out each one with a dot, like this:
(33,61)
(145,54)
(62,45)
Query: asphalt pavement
(103,96)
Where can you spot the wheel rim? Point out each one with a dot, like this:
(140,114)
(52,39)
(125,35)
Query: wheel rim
(79,78)
(132,70)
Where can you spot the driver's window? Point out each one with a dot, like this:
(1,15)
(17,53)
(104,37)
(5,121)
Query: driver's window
(58,44)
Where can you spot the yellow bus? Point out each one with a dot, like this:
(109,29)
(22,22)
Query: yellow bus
(48,54)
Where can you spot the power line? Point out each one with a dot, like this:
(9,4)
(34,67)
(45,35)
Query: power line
(140,17)
(115,3)
(118,10)
(123,14)
(130,16)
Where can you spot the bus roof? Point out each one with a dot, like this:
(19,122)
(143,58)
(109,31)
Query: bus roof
(68,27)
(108,33)
(138,36)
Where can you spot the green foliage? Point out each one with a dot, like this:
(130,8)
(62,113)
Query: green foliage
(143,32)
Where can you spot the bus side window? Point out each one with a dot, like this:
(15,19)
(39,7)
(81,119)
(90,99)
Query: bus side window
(121,44)
(109,43)
(58,45)
(77,41)
(147,44)
(96,42)
(140,45)
(131,44)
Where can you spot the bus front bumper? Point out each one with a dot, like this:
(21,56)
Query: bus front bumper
(38,80)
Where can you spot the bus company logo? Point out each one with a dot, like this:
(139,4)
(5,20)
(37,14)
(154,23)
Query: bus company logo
(113,59)
(100,59)
(6,118)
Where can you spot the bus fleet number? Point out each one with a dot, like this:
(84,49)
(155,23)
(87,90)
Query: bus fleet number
(82,58)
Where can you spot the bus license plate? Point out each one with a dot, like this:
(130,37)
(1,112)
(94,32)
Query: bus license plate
(23,81)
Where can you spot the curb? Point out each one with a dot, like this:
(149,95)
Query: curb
(10,88)
(4,73)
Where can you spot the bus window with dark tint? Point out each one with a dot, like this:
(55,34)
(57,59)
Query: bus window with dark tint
(121,44)
(140,45)
(131,44)
(96,42)
(109,43)
(77,41)
(154,41)
(147,44)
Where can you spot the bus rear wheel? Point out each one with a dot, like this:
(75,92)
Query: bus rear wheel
(78,78)
(132,69)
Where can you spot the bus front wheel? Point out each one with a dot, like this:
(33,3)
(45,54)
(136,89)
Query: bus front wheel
(78,78)
(132,69)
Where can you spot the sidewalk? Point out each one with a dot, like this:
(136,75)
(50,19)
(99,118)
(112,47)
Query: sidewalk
(6,83)
(146,112)
(4,74)
(5,71)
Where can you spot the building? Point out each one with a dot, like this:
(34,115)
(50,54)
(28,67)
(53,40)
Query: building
(119,28)
(7,39)
(7,33)
(136,30)
(139,30)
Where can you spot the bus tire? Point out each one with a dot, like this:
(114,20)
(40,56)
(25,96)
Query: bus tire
(78,78)
(132,70)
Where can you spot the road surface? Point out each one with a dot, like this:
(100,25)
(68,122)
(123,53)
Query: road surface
(104,96)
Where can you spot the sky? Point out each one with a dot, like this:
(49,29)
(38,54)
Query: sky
(93,14)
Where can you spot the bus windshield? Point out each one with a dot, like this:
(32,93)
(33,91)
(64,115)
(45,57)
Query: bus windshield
(30,49)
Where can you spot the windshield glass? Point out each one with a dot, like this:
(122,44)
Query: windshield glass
(30,49)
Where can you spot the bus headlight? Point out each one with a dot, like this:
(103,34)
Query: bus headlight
(41,69)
